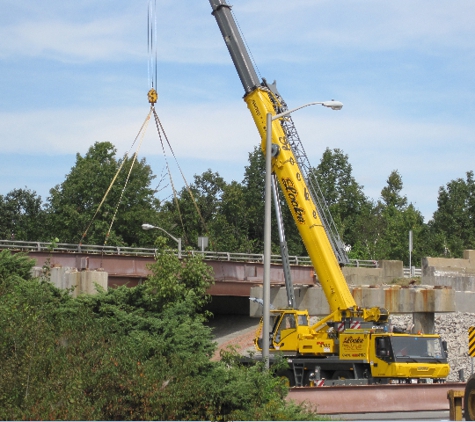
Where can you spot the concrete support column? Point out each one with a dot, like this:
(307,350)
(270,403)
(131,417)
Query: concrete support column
(424,322)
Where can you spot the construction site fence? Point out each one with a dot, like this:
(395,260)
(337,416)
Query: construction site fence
(23,246)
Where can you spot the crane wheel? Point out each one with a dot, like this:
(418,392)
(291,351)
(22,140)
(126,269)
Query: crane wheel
(288,378)
(343,375)
(469,399)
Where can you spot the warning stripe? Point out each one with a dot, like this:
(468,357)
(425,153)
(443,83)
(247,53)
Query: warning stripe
(471,341)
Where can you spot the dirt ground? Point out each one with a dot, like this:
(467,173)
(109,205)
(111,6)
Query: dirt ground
(234,330)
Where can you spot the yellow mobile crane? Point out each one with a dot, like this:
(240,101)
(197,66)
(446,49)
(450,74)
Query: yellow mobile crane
(352,344)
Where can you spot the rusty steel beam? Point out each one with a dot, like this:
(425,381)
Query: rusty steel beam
(375,398)
(231,278)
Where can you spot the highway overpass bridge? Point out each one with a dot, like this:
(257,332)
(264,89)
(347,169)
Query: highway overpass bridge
(234,273)
(239,276)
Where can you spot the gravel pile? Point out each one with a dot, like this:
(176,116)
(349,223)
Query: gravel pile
(453,328)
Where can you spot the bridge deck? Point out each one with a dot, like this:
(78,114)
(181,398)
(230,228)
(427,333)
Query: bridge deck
(231,278)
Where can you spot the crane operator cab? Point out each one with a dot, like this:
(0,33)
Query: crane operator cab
(286,326)
(409,348)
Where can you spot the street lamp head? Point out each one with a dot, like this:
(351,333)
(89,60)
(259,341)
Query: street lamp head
(146,226)
(334,105)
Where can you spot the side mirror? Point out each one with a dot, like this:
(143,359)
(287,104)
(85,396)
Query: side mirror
(444,346)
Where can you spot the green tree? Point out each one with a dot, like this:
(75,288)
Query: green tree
(343,195)
(173,279)
(215,209)
(23,216)
(196,207)
(369,226)
(73,203)
(231,227)
(395,241)
(254,199)
(383,227)
(391,193)
(13,266)
(452,226)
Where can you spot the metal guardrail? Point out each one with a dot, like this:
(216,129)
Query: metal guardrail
(416,272)
(24,246)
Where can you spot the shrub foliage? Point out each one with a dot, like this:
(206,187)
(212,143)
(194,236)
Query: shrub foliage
(126,354)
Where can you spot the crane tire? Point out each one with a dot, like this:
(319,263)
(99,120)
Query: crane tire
(288,377)
(342,375)
(469,399)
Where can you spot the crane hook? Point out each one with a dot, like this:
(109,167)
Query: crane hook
(152,96)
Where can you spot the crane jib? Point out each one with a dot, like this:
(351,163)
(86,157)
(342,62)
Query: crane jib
(235,44)
(261,99)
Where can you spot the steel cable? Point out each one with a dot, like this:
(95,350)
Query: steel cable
(147,119)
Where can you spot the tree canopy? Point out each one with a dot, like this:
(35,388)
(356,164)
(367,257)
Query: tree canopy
(73,204)
(22,215)
(384,225)
(231,214)
(343,195)
(453,225)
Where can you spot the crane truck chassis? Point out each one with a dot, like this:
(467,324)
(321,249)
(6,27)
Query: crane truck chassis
(339,355)
(352,344)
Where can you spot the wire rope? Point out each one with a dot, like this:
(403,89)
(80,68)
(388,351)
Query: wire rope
(152,43)
(152,79)
(161,130)
(134,159)
(144,124)
(246,44)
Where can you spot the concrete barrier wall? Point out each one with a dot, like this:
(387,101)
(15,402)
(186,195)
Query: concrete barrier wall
(358,276)
(391,270)
(458,273)
(386,272)
(420,299)
(465,302)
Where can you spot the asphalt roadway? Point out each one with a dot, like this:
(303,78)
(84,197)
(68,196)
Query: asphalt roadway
(442,415)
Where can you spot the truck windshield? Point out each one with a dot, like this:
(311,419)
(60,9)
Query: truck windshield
(406,348)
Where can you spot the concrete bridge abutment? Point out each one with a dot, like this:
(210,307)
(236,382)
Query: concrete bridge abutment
(420,301)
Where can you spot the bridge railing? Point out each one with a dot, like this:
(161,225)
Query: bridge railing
(25,246)
(412,272)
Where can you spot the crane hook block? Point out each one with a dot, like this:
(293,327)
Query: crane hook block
(152,96)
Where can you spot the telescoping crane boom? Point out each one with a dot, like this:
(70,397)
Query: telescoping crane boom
(351,342)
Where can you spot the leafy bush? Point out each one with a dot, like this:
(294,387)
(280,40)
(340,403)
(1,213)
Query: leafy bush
(120,355)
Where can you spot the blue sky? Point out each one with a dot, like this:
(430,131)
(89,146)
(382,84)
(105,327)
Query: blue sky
(74,73)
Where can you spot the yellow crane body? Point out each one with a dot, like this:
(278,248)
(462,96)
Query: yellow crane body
(303,210)
(351,343)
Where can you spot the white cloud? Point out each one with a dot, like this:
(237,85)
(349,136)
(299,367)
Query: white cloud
(97,40)
(204,132)
(187,32)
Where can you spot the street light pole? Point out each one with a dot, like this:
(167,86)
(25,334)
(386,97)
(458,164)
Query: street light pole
(146,226)
(267,245)
(334,105)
